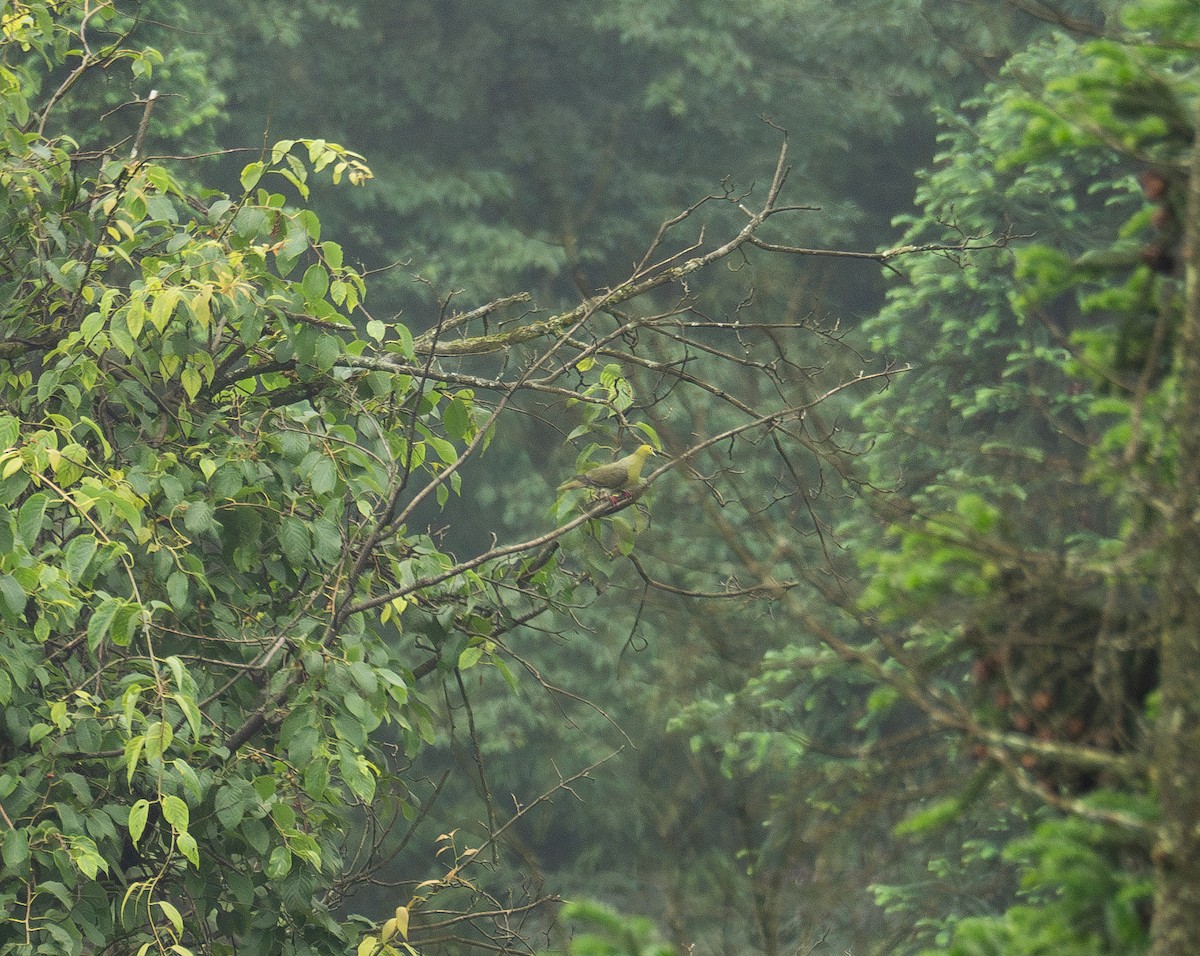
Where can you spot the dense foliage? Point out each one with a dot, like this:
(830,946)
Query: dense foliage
(890,654)
(1017,571)
(220,615)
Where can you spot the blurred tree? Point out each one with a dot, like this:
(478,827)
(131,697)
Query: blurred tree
(1029,508)
(534,146)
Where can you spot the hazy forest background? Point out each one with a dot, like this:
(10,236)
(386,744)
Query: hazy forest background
(310,307)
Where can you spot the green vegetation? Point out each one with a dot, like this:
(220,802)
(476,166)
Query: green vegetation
(891,649)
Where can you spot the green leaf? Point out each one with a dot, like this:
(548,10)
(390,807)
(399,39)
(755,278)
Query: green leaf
(13,596)
(177,590)
(191,713)
(198,518)
(457,419)
(15,850)
(506,672)
(31,518)
(324,476)
(327,540)
(280,863)
(315,283)
(101,621)
(294,541)
(125,623)
(232,802)
(358,776)
(135,319)
(175,812)
(158,739)
(316,779)
(191,381)
(938,814)
(881,699)
(133,750)
(305,847)
(189,848)
(162,310)
(139,814)
(444,449)
(175,666)
(470,657)
(333,255)
(256,835)
(78,556)
(281,149)
(86,856)
(172,914)
(295,243)
(328,350)
(251,174)
(404,344)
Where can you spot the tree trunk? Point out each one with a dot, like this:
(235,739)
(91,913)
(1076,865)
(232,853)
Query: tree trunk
(1176,927)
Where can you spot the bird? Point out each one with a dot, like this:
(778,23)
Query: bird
(624,474)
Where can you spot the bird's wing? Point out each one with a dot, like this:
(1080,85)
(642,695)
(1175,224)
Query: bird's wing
(615,475)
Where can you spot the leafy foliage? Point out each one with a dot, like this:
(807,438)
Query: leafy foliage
(231,656)
(1079,897)
(205,562)
(1071,364)
(994,640)
(609,934)
(219,610)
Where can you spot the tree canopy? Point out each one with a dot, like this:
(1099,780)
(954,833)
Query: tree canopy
(891,649)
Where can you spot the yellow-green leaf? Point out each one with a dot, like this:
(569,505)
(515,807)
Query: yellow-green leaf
(162,310)
(133,750)
(470,657)
(139,813)
(251,174)
(175,812)
(368,945)
(172,914)
(191,381)
(200,306)
(189,848)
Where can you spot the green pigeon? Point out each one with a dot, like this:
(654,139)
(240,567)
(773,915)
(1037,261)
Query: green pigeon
(622,475)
